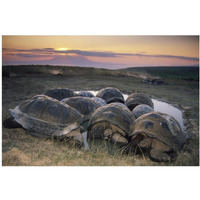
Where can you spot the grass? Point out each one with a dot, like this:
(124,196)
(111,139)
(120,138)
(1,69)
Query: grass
(22,82)
(172,73)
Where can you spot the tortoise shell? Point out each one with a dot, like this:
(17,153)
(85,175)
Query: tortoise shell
(99,101)
(115,114)
(141,110)
(85,105)
(60,93)
(135,99)
(44,116)
(110,95)
(162,127)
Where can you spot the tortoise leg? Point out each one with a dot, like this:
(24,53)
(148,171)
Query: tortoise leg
(156,144)
(11,123)
(76,137)
(119,140)
(145,144)
(96,132)
(108,133)
(159,156)
(136,139)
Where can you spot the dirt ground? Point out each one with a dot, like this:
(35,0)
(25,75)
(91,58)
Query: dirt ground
(22,149)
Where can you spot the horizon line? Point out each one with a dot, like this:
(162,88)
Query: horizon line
(98,67)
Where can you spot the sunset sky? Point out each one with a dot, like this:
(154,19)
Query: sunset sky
(101,51)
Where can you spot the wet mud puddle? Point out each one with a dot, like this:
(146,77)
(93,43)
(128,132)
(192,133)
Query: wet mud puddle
(159,106)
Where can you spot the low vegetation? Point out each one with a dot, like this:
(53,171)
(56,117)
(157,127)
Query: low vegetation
(172,73)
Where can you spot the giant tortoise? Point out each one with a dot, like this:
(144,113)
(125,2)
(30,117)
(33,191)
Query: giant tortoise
(85,105)
(159,135)
(99,101)
(141,110)
(43,116)
(60,93)
(135,99)
(110,95)
(113,122)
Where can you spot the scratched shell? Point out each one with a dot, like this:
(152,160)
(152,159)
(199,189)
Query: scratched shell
(162,127)
(43,116)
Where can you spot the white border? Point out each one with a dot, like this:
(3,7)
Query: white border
(99,18)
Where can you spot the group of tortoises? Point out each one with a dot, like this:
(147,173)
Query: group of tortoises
(132,123)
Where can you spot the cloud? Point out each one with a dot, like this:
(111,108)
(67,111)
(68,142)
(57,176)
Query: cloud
(28,55)
(48,52)
(51,51)
(167,56)
(91,53)
(28,50)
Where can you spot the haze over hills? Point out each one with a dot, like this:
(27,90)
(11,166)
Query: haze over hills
(69,61)
(83,62)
